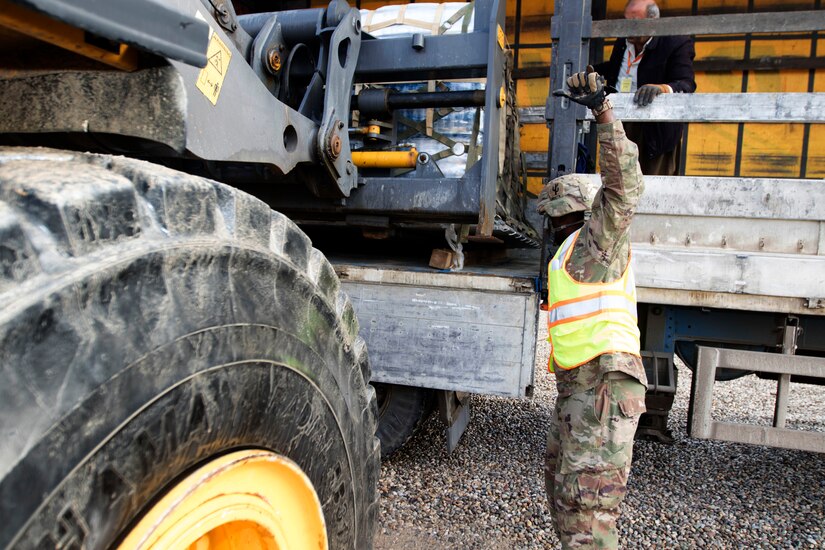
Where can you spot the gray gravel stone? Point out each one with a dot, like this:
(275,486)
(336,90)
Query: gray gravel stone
(692,494)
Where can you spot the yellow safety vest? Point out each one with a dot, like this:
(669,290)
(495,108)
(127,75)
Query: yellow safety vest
(586,320)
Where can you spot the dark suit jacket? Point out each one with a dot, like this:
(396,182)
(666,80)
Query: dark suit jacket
(667,60)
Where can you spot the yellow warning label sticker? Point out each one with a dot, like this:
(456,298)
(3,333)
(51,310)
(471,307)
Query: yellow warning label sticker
(501,37)
(210,79)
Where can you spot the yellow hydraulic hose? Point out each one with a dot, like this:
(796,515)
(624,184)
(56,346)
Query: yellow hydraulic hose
(385,159)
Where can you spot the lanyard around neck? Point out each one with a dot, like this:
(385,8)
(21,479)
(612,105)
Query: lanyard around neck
(632,62)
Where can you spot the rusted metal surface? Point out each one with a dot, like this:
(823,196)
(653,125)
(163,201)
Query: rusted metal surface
(491,279)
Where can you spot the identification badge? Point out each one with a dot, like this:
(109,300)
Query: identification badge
(625,83)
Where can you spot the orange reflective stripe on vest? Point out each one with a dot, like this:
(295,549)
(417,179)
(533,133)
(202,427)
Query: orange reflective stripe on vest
(586,320)
(570,310)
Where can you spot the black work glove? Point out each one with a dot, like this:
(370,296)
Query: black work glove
(646,94)
(587,88)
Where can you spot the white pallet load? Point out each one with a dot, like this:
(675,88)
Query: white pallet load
(446,18)
(432,19)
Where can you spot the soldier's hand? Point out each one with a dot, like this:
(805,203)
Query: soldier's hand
(587,88)
(646,94)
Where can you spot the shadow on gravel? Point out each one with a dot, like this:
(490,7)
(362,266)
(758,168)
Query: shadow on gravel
(691,494)
(695,493)
(488,494)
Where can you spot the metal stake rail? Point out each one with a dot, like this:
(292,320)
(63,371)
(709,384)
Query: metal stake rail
(767,108)
(571,30)
(733,23)
(711,359)
(764,108)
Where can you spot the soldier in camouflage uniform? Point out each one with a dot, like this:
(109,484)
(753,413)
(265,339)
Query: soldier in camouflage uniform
(590,441)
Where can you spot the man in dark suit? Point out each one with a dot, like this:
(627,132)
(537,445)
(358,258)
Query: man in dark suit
(650,66)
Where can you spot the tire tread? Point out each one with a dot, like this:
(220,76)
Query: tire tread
(92,207)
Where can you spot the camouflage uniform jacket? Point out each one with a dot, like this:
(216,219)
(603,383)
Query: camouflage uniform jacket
(602,251)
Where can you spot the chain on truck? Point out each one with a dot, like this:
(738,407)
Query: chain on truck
(183,365)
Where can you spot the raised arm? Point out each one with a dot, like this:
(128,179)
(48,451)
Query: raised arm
(622,187)
(622,183)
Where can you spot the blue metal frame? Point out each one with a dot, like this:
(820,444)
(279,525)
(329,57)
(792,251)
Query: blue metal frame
(728,326)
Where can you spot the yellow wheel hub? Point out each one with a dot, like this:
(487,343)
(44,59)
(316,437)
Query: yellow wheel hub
(245,500)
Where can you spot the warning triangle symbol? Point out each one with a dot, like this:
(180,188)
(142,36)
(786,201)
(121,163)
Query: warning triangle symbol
(217,61)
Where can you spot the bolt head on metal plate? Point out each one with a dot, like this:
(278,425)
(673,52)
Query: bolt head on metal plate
(335,145)
(274,59)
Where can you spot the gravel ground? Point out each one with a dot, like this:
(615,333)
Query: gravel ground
(691,494)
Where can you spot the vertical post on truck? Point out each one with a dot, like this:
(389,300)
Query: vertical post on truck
(569,28)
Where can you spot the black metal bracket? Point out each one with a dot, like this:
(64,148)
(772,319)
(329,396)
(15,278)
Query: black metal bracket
(333,135)
(225,14)
(267,54)
(570,29)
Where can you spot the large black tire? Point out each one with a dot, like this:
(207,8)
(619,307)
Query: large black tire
(401,412)
(151,321)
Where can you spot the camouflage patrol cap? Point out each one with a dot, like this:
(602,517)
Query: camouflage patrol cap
(566,194)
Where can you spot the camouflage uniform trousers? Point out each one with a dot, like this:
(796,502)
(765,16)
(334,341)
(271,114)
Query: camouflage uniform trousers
(589,450)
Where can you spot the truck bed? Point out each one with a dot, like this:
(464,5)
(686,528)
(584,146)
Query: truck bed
(754,244)
(472,330)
